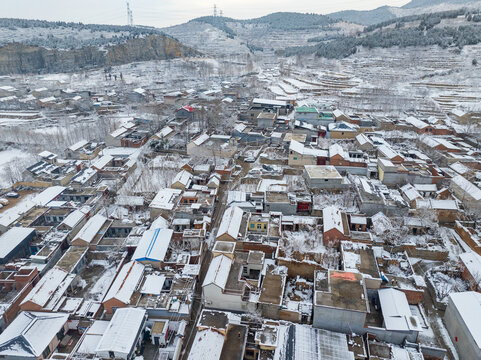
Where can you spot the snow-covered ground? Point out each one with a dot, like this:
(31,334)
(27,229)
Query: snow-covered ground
(9,161)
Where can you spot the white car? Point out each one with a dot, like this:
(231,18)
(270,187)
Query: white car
(249,159)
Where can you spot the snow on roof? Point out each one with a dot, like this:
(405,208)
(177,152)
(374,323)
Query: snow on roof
(332,219)
(218,271)
(231,222)
(84,175)
(183,177)
(301,149)
(468,305)
(296,146)
(47,155)
(426,187)
(419,124)
(78,145)
(410,192)
(102,162)
(92,337)
(236,196)
(447,144)
(396,312)
(126,282)
(75,217)
(336,149)
(91,228)
(30,334)
(165,199)
(165,131)
(159,223)
(153,284)
(467,187)
(206,342)
(337,113)
(46,287)
(343,126)
(271,184)
(460,168)
(436,204)
(121,333)
(48,195)
(118,132)
(322,172)
(472,262)
(153,245)
(201,139)
(387,152)
(139,91)
(363,139)
(269,102)
(12,238)
(240,127)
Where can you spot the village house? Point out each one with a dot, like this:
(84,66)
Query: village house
(462,326)
(125,284)
(300,155)
(33,335)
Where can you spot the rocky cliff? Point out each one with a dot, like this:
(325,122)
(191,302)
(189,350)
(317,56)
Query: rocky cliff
(16,58)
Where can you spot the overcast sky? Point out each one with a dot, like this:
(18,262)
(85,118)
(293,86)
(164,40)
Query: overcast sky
(162,13)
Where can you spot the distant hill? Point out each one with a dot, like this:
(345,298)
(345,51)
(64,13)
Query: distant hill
(428,3)
(415,7)
(367,17)
(222,35)
(43,46)
(275,21)
(449,29)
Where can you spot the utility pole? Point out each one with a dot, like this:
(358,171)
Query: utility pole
(130,17)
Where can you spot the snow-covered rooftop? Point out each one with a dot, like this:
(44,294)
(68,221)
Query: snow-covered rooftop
(13,238)
(218,272)
(126,282)
(165,199)
(121,333)
(30,334)
(91,228)
(332,219)
(153,245)
(231,222)
(468,187)
(396,312)
(468,305)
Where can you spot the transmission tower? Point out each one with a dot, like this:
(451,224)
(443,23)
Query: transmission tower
(130,16)
(215,10)
(221,13)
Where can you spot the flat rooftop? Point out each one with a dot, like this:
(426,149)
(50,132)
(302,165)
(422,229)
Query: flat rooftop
(224,246)
(71,257)
(322,172)
(277,197)
(213,319)
(272,289)
(233,280)
(346,291)
(368,263)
